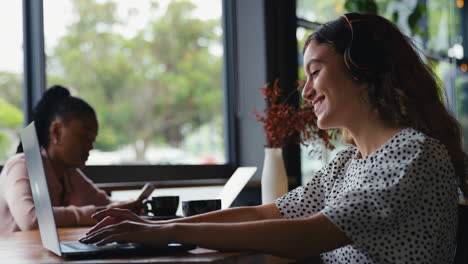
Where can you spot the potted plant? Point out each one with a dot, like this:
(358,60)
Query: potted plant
(285,124)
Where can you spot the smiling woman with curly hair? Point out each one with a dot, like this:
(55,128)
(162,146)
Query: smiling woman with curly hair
(390,198)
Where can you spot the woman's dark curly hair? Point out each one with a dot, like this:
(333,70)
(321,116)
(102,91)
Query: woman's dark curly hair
(402,88)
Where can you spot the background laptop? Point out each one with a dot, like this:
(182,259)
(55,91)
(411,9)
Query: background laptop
(234,185)
(46,220)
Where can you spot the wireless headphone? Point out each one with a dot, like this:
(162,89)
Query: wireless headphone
(361,54)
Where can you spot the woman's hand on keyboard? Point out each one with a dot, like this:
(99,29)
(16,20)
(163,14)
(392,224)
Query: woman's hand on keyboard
(130,232)
(113,216)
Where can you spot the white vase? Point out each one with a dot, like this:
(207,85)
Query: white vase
(274,181)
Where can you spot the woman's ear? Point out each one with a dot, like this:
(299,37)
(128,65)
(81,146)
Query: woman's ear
(55,131)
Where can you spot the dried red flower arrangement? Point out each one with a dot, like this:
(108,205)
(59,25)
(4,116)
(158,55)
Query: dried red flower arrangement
(285,124)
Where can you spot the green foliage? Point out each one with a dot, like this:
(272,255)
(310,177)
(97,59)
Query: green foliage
(320,11)
(366,6)
(382,7)
(394,16)
(4,145)
(145,87)
(11,86)
(11,119)
(10,116)
(443,25)
(415,17)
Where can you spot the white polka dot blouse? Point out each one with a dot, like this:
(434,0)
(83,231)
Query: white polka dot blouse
(397,205)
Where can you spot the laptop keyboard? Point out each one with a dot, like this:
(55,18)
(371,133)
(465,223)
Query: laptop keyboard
(75,245)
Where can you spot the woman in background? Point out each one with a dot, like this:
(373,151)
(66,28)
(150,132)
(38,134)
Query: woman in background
(66,128)
(390,198)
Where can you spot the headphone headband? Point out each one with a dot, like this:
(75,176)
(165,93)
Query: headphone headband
(352,20)
(356,57)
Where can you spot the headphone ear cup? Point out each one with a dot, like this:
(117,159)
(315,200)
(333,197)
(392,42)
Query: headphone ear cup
(357,74)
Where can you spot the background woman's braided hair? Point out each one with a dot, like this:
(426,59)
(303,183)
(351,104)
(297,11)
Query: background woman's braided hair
(402,88)
(57,102)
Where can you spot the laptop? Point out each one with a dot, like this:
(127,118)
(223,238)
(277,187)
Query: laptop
(46,220)
(234,185)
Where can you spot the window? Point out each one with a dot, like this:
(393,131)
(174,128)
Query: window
(319,12)
(447,42)
(108,51)
(461,84)
(151,69)
(11,77)
(437,27)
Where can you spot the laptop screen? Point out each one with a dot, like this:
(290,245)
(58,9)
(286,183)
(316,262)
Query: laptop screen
(40,190)
(234,185)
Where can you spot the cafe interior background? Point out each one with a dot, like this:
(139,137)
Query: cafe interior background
(175,83)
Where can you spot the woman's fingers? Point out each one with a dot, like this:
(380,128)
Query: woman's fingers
(128,232)
(113,216)
(112,232)
(99,235)
(109,217)
(108,220)
(112,212)
(134,206)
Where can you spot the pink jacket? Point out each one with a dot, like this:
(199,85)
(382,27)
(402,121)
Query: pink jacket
(74,197)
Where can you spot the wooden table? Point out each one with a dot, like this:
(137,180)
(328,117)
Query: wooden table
(26,247)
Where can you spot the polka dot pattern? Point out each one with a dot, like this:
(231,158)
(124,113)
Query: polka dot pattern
(397,205)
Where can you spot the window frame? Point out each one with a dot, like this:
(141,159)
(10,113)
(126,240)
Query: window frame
(245,70)
(108,175)
(281,57)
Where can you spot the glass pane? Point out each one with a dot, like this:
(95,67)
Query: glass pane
(11,77)
(319,11)
(437,35)
(315,156)
(435,32)
(461,84)
(442,26)
(151,69)
(301,35)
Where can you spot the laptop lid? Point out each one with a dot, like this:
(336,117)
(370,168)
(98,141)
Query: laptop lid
(40,189)
(234,185)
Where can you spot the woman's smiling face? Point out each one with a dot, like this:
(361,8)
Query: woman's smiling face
(337,98)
